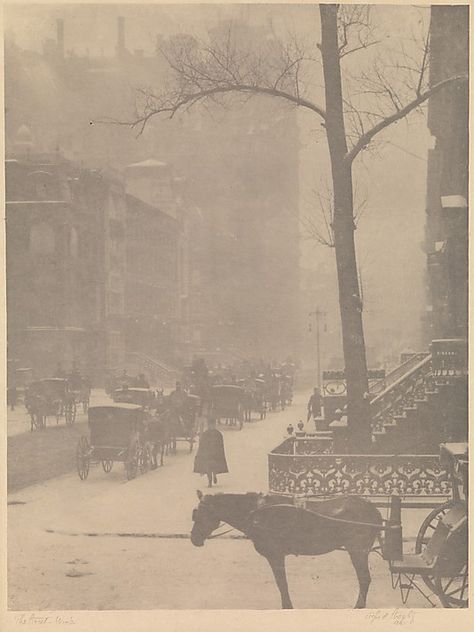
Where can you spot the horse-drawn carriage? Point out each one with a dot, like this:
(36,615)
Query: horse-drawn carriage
(181,419)
(227,402)
(286,391)
(139,396)
(441,550)
(281,524)
(81,390)
(119,432)
(50,397)
(259,405)
(272,392)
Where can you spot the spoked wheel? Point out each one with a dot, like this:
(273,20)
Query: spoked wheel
(131,464)
(107,465)
(70,413)
(454,591)
(83,458)
(425,534)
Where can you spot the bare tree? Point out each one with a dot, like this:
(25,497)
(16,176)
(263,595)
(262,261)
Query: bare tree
(356,110)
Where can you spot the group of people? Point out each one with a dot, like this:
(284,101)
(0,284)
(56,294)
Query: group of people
(270,383)
(124,380)
(76,381)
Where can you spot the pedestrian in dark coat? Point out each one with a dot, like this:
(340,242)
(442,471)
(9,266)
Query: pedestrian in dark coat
(210,458)
(314,404)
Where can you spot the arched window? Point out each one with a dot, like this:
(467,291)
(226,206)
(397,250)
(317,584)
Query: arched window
(42,240)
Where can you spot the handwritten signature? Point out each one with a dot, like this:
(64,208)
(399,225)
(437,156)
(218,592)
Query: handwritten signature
(395,617)
(37,619)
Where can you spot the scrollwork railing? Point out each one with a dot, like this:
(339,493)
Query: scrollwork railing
(366,475)
(402,392)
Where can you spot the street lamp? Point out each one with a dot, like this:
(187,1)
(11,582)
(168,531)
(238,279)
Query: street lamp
(319,314)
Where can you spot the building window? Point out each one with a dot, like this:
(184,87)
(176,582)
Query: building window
(42,240)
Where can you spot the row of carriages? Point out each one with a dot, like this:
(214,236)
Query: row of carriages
(141,426)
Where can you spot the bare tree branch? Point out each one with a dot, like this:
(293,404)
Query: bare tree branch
(355,29)
(401,113)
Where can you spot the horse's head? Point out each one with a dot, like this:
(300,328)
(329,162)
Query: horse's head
(204,519)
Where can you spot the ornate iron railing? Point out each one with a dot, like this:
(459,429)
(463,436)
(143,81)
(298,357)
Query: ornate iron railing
(415,476)
(406,384)
(403,370)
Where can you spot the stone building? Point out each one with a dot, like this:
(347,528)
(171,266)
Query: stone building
(238,186)
(65,283)
(446,240)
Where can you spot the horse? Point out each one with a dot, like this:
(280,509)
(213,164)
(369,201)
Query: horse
(278,528)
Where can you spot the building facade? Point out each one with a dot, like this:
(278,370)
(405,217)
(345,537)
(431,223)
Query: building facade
(152,281)
(234,190)
(61,307)
(447,185)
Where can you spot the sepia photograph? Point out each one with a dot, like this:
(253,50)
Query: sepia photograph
(236,250)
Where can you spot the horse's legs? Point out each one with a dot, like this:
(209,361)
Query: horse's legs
(277,564)
(360,561)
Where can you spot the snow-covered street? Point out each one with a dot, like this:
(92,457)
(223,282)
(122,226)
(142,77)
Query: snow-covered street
(61,571)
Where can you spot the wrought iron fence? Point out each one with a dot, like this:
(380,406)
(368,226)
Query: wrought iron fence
(416,476)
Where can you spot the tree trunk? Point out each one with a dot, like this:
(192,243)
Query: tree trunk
(343,227)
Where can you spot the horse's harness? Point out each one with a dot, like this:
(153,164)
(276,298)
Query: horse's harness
(210,537)
(384,526)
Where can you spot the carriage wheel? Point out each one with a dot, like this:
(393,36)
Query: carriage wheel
(425,534)
(453,591)
(83,458)
(131,464)
(107,465)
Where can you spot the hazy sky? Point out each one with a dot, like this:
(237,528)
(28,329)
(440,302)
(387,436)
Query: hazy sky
(393,179)
(93,26)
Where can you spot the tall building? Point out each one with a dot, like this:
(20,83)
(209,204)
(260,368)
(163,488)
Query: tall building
(234,185)
(447,186)
(65,282)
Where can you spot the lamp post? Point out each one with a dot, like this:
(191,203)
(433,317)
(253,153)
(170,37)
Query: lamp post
(319,314)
